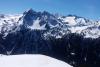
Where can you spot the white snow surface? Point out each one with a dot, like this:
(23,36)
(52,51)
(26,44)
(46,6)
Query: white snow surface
(30,61)
(36,25)
(69,20)
(8,22)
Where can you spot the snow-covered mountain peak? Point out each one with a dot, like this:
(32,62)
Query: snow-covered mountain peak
(44,19)
(56,26)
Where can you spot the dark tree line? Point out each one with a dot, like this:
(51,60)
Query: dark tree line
(77,50)
(71,48)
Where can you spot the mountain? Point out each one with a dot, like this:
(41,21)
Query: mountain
(73,39)
(8,23)
(56,26)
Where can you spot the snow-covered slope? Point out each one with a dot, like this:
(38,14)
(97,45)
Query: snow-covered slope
(55,26)
(8,23)
(80,25)
(31,61)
